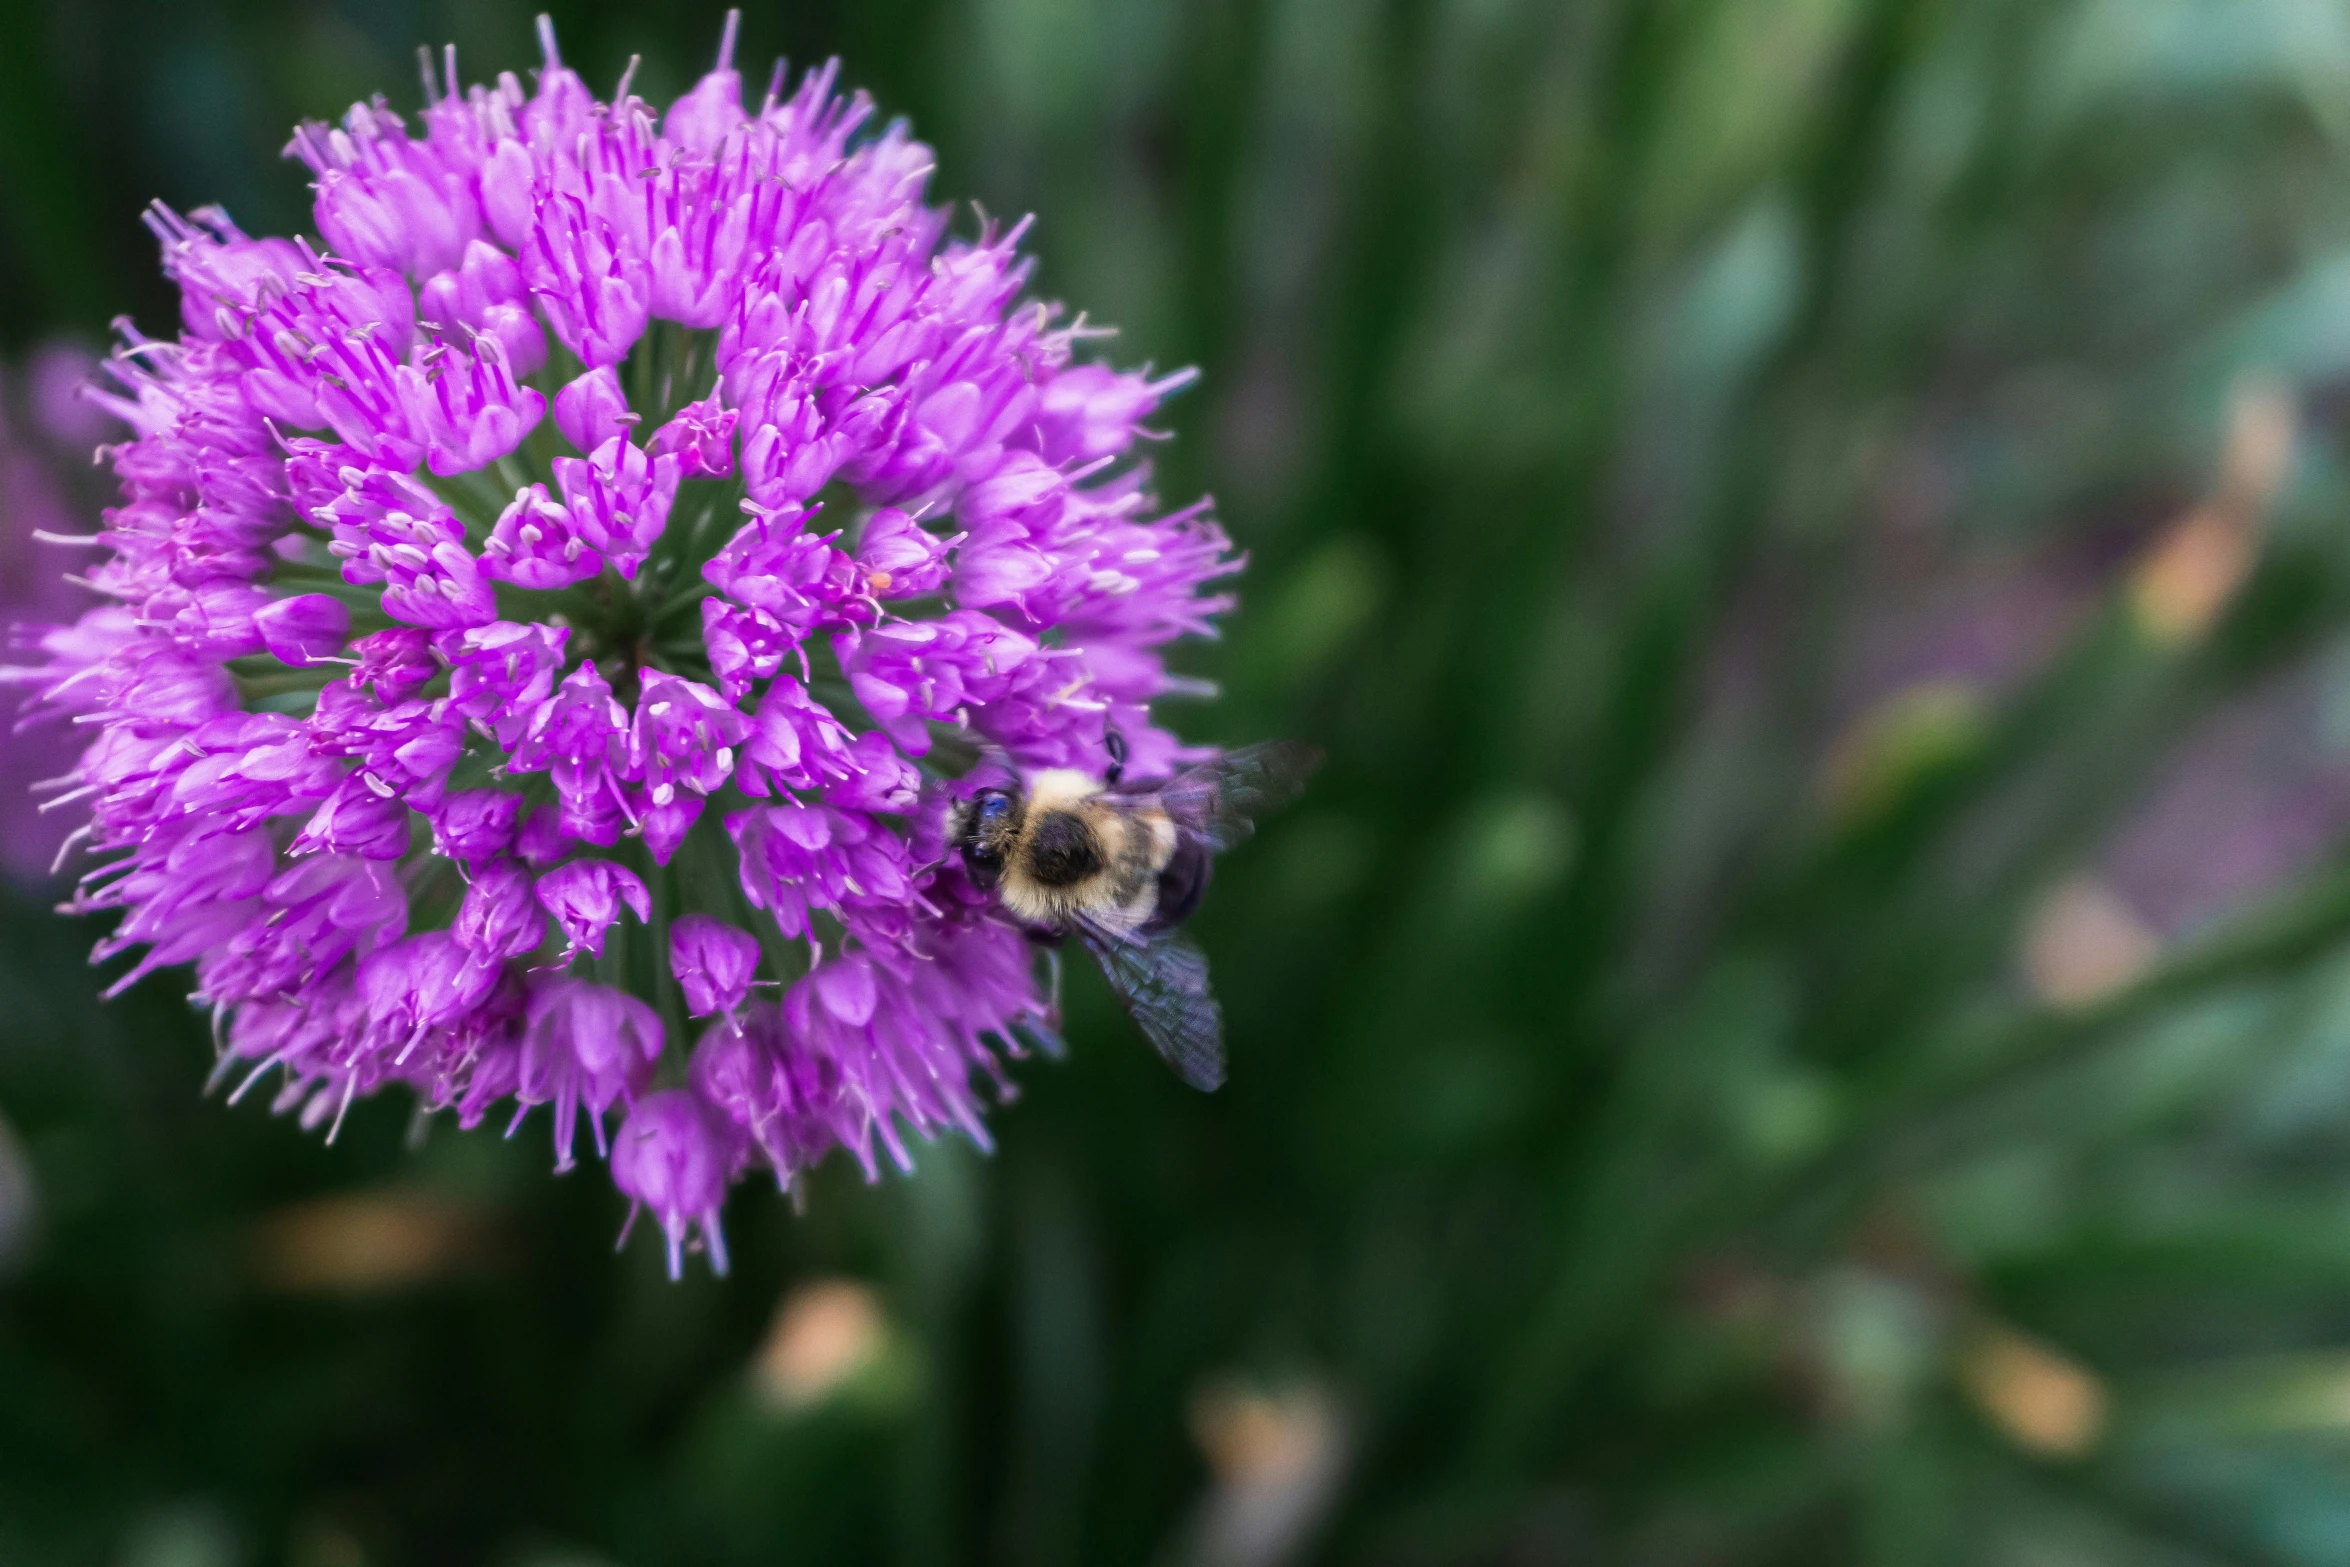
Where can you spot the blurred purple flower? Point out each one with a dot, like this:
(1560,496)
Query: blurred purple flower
(607,512)
(44,474)
(2255,796)
(59,377)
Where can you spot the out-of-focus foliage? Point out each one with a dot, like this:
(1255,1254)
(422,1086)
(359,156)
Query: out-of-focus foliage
(1807,1019)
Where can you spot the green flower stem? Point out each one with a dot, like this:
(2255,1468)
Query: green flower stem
(257,687)
(661,888)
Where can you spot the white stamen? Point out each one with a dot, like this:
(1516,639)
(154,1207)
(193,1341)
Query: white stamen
(78,835)
(350,1088)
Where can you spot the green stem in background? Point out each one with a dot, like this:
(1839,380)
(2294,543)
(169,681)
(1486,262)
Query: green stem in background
(661,887)
(1662,644)
(1910,1104)
(365,599)
(478,496)
(256,687)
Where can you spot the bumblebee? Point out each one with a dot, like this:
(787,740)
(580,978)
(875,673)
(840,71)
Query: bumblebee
(1121,864)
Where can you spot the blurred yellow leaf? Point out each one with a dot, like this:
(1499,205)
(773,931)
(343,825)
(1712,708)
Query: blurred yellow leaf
(364,1242)
(1901,739)
(2189,574)
(824,1334)
(2044,1402)
(2084,943)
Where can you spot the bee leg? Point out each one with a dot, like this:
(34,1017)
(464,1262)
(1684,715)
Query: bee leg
(1114,743)
(1052,969)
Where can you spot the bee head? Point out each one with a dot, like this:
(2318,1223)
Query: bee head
(985,826)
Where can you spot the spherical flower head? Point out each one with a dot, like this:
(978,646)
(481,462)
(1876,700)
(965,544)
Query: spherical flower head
(545,601)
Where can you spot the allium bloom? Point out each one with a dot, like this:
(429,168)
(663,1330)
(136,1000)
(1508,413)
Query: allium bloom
(536,601)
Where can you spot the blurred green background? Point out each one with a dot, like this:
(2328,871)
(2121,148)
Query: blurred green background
(1807,1019)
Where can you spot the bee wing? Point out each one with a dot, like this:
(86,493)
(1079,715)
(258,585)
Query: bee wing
(1221,800)
(1163,983)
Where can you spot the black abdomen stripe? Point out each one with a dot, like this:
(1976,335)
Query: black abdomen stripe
(1061,850)
(1181,883)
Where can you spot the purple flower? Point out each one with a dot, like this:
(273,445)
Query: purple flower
(701,438)
(394,663)
(684,737)
(476,825)
(356,819)
(499,917)
(467,407)
(593,410)
(502,673)
(302,629)
(619,499)
(583,1047)
(799,1078)
(580,738)
(484,295)
(677,1158)
(430,649)
(535,544)
(713,962)
(418,985)
(585,896)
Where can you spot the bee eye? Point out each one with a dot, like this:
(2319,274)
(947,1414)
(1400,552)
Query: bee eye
(994,805)
(985,865)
